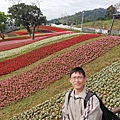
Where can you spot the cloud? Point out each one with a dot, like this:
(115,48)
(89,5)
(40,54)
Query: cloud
(58,8)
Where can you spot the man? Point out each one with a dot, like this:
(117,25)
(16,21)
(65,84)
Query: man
(75,109)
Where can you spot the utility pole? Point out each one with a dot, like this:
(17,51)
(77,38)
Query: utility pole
(82,21)
(109,31)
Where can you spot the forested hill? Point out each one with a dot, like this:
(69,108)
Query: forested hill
(89,15)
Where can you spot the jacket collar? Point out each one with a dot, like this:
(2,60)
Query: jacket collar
(82,94)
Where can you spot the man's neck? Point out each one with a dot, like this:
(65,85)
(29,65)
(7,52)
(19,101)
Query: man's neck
(78,91)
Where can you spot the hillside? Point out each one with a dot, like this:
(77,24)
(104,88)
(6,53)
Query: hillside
(89,15)
(34,74)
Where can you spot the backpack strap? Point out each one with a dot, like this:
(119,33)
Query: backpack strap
(107,114)
(69,99)
(69,96)
(89,94)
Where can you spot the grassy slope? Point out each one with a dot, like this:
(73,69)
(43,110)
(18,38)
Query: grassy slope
(45,59)
(59,86)
(105,24)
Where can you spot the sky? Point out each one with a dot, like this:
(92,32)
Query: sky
(60,8)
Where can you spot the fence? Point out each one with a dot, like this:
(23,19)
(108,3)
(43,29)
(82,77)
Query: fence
(88,30)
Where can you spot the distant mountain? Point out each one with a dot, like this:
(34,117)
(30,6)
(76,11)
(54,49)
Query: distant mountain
(89,15)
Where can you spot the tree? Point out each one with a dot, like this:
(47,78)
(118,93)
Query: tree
(110,11)
(2,24)
(117,6)
(27,15)
(15,1)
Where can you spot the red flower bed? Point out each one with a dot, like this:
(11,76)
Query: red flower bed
(45,29)
(20,32)
(11,65)
(53,28)
(24,32)
(26,84)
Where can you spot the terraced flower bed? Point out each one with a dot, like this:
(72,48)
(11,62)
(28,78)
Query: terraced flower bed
(11,65)
(41,30)
(105,83)
(7,45)
(20,50)
(53,28)
(26,84)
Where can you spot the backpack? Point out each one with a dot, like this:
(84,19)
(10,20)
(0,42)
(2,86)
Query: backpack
(107,114)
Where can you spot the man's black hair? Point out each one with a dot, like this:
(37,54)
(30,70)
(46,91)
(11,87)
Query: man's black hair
(77,69)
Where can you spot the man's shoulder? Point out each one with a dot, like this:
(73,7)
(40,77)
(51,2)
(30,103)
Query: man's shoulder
(90,95)
(69,92)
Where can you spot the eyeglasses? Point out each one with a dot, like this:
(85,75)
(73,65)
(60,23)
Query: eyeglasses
(78,78)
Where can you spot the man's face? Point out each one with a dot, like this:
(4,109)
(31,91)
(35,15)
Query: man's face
(77,80)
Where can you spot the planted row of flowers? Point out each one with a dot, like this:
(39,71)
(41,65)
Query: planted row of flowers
(39,29)
(7,45)
(20,37)
(2,43)
(20,50)
(36,35)
(53,28)
(11,65)
(106,84)
(29,82)
(24,32)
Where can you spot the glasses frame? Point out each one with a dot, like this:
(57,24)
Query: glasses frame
(77,77)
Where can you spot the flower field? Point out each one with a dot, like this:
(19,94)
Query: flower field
(16,54)
(10,65)
(18,42)
(26,84)
(51,109)
(17,51)
(39,29)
